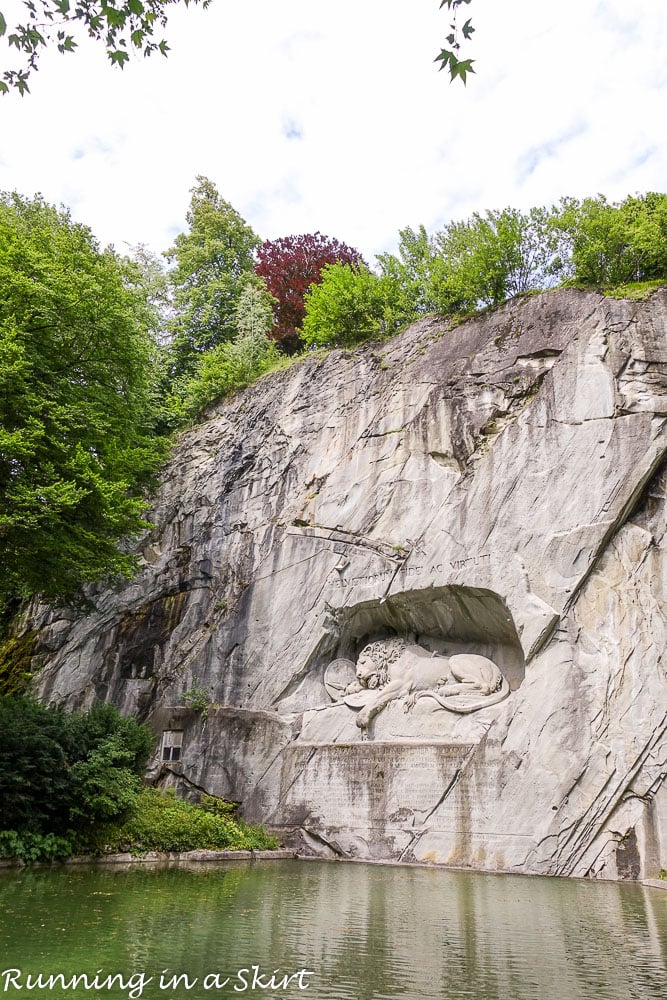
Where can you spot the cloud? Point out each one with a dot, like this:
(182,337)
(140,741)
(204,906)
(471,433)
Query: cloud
(529,161)
(292,130)
(343,124)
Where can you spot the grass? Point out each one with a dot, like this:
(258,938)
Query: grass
(161,822)
(638,290)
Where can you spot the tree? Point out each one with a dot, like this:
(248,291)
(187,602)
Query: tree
(491,257)
(234,365)
(289,266)
(76,403)
(254,311)
(121,28)
(412,270)
(209,261)
(616,243)
(59,769)
(152,282)
(350,305)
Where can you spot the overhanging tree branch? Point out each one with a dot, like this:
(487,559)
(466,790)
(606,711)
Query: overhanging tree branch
(449,58)
(121,27)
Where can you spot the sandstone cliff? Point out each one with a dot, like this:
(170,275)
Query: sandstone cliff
(498,488)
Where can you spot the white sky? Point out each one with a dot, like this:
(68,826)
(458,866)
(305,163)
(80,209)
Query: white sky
(333,117)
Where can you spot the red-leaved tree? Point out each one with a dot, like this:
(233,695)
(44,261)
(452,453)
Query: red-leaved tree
(289,266)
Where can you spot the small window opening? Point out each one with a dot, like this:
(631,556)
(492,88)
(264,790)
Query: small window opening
(172,743)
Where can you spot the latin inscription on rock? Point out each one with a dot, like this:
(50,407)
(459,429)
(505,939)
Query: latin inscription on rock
(368,785)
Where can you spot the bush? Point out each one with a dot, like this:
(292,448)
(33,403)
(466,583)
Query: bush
(161,822)
(59,769)
(350,305)
(29,847)
(228,368)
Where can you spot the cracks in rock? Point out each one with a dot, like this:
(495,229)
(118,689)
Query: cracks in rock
(616,524)
(368,435)
(606,802)
(284,792)
(256,782)
(284,569)
(182,778)
(418,834)
(319,839)
(342,535)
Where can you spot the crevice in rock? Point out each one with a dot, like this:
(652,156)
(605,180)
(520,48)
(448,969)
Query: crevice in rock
(319,839)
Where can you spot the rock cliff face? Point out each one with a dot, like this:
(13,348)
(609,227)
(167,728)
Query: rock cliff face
(497,489)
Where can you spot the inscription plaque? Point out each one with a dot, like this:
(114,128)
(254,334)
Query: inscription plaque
(380,793)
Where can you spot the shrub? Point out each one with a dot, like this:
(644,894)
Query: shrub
(161,822)
(57,768)
(350,305)
(29,847)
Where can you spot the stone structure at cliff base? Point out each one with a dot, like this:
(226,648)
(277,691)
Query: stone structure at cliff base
(423,585)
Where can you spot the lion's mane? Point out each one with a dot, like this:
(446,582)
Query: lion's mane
(384,652)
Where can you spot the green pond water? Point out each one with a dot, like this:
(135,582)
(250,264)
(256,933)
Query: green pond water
(363,932)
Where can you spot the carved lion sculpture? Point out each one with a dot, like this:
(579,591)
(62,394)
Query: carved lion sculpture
(398,670)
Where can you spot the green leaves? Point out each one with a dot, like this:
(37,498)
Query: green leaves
(350,305)
(467,30)
(209,260)
(118,57)
(457,68)
(616,243)
(118,27)
(76,404)
(234,365)
(59,769)
(449,57)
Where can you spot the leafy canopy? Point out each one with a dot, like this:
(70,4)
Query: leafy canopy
(615,243)
(486,259)
(352,304)
(120,28)
(59,769)
(208,262)
(289,266)
(76,403)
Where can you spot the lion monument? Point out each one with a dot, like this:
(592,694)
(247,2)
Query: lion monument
(390,669)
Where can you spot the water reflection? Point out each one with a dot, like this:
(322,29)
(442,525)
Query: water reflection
(366,932)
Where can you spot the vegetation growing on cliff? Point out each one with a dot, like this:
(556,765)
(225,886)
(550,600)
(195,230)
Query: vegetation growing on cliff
(71,783)
(489,258)
(62,772)
(102,357)
(290,266)
(209,262)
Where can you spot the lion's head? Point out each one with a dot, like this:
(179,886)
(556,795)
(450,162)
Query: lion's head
(374,660)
